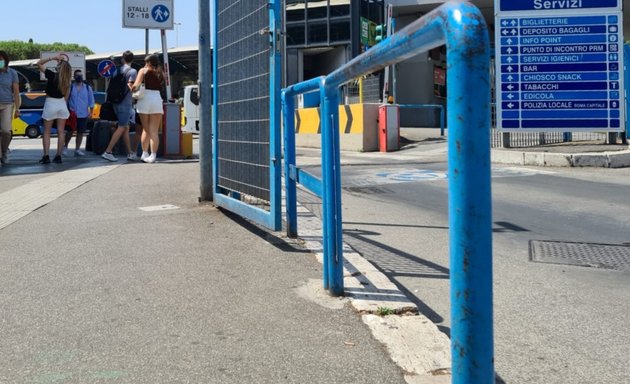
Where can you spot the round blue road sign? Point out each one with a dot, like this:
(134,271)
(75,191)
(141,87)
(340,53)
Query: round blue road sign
(106,68)
(160,13)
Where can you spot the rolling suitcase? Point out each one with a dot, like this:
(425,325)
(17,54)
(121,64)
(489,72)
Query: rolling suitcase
(100,135)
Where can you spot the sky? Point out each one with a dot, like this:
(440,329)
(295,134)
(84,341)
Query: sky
(96,24)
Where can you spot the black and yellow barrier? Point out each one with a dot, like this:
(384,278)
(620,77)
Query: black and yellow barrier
(357,126)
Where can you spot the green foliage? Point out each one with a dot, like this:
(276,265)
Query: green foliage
(22,50)
(384,311)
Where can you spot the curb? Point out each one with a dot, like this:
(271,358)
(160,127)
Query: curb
(412,341)
(619,159)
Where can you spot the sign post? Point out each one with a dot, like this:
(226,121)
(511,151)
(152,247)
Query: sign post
(559,65)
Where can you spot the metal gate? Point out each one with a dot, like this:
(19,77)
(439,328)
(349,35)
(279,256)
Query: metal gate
(246,122)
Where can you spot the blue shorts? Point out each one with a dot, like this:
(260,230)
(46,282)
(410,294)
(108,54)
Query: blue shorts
(123,112)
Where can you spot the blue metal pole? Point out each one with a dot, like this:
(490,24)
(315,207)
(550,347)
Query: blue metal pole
(441,120)
(327,209)
(288,111)
(275,160)
(332,192)
(470,210)
(626,58)
(288,116)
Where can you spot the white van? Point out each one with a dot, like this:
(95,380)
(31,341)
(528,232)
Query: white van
(191,109)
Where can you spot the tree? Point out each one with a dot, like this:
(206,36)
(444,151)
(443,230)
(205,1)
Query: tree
(21,50)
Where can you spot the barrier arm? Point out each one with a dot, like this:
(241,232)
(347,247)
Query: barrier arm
(462,28)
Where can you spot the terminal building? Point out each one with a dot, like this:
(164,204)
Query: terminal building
(321,35)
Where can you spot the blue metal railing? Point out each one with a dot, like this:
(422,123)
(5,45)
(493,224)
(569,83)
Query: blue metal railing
(626,58)
(462,28)
(439,107)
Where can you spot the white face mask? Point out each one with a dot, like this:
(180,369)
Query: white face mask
(2,64)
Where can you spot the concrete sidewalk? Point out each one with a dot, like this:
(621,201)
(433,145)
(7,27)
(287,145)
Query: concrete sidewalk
(569,154)
(121,276)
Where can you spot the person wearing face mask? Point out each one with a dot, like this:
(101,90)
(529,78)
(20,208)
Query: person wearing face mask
(55,106)
(9,104)
(81,102)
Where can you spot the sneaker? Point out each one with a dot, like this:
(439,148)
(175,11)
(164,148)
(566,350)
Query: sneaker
(144,155)
(78,153)
(57,160)
(132,157)
(65,152)
(109,156)
(150,159)
(4,159)
(45,160)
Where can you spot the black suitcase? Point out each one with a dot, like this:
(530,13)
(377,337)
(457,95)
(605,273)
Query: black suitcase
(88,135)
(100,135)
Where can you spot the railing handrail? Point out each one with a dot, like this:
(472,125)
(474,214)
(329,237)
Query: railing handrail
(462,28)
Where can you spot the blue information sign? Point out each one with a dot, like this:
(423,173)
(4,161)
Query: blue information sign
(555,5)
(561,70)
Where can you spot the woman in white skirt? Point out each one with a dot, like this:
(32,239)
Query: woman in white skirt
(150,106)
(56,104)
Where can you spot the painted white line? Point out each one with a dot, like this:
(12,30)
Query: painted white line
(154,208)
(20,201)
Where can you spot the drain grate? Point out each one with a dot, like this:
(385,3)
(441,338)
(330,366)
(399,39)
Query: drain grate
(369,190)
(607,256)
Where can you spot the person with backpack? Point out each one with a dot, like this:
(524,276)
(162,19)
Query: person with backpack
(119,94)
(81,103)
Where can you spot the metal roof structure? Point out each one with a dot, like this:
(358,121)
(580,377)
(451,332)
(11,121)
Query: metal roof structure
(182,60)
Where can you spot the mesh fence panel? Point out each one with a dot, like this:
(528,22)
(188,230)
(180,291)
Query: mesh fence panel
(533,139)
(370,88)
(243,97)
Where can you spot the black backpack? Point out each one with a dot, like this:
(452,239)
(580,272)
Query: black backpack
(117,88)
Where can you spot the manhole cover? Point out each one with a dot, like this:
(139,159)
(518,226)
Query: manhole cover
(608,256)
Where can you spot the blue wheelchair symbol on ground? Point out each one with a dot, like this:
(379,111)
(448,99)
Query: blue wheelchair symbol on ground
(413,175)
(160,13)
